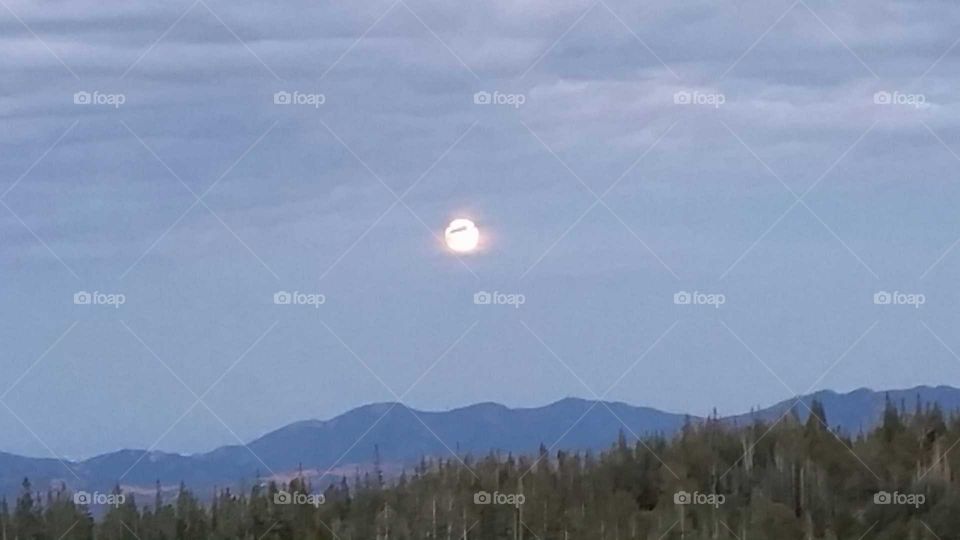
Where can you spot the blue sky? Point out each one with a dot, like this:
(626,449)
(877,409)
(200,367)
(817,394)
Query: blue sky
(796,158)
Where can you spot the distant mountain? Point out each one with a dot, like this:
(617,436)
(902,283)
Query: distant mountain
(402,435)
(860,409)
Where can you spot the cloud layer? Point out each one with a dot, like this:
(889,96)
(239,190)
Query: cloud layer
(795,157)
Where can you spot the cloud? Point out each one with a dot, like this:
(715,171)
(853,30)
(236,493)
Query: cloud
(303,191)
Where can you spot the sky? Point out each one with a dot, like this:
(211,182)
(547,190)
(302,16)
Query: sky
(682,205)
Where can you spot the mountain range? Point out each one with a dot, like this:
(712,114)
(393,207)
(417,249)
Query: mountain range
(398,437)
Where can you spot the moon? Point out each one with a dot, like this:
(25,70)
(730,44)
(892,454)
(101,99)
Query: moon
(462,235)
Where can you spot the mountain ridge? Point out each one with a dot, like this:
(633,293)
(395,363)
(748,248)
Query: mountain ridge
(402,435)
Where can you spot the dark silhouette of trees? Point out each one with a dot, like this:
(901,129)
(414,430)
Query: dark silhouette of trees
(786,480)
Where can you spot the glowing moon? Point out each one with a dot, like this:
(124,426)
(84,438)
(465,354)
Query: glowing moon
(462,235)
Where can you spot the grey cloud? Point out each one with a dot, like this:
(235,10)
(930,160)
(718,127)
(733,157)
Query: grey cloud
(302,203)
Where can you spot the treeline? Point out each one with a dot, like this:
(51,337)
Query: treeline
(788,480)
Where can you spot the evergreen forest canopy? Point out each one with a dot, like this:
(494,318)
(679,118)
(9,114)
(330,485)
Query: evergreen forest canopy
(789,480)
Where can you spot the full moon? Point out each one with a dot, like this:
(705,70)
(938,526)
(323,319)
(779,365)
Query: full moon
(462,235)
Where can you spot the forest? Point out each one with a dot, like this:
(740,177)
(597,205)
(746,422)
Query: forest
(791,479)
